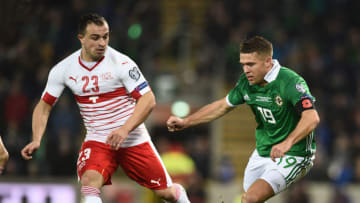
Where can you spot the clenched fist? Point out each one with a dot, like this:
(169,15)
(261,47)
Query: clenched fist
(175,124)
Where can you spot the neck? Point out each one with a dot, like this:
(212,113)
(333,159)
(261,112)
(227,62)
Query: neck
(86,57)
(263,83)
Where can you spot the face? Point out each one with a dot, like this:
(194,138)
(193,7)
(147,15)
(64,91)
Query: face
(255,67)
(94,42)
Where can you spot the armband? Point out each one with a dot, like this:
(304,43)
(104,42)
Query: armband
(136,93)
(305,103)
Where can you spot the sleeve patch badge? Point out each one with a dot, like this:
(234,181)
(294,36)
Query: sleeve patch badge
(300,88)
(134,74)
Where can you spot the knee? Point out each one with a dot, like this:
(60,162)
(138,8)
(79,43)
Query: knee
(250,198)
(92,178)
(86,180)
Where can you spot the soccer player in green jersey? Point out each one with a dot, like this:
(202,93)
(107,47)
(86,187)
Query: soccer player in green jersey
(285,114)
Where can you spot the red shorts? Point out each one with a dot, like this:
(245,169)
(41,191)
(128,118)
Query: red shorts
(141,163)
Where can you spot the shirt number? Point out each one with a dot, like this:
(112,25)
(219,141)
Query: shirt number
(267,115)
(95,82)
(290,161)
(84,155)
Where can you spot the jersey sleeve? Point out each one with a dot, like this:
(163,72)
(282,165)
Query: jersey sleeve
(235,97)
(54,87)
(133,80)
(297,90)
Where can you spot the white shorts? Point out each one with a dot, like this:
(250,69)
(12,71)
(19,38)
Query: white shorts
(280,174)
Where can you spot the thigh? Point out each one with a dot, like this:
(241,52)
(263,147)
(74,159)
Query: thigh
(143,164)
(294,167)
(99,157)
(286,170)
(259,191)
(254,169)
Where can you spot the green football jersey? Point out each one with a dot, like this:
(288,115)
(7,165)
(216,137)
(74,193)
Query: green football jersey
(274,109)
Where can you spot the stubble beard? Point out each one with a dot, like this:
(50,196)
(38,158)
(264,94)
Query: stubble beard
(97,57)
(92,55)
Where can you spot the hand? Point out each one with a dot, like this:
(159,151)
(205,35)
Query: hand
(29,149)
(280,149)
(4,157)
(175,124)
(116,138)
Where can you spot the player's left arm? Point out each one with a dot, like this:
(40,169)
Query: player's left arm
(145,104)
(307,123)
(298,94)
(135,83)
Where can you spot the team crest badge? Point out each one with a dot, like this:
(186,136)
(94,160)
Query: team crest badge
(300,88)
(278,100)
(134,74)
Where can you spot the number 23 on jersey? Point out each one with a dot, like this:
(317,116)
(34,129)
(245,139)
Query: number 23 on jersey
(94,80)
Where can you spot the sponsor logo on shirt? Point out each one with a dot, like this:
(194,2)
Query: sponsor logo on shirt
(74,79)
(134,74)
(246,97)
(155,181)
(263,99)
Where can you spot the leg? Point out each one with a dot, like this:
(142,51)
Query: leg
(95,167)
(260,181)
(92,178)
(91,182)
(274,178)
(143,164)
(176,194)
(258,192)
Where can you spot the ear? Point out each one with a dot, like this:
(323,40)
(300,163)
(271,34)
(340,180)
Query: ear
(268,61)
(81,38)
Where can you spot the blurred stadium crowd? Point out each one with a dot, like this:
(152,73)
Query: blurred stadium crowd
(320,39)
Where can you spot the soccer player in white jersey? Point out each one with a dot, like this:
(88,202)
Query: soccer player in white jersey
(114,100)
(4,156)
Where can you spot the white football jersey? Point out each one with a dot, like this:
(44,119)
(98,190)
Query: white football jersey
(105,93)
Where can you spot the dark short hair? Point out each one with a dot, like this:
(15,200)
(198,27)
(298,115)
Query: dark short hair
(88,19)
(256,44)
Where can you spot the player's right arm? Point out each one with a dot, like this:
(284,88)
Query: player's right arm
(54,87)
(206,114)
(39,120)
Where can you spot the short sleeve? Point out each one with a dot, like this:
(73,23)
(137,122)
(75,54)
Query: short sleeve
(133,80)
(235,97)
(296,90)
(54,87)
